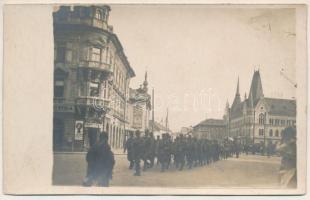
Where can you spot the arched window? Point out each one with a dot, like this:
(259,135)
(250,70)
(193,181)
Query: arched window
(98,14)
(261,119)
(270,133)
(277,133)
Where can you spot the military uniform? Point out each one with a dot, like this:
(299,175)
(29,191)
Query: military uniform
(189,152)
(137,152)
(129,147)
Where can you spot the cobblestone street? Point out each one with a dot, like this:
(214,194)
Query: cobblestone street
(246,171)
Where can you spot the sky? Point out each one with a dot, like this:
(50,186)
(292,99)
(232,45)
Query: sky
(194,55)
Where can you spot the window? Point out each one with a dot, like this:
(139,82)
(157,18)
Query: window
(276,122)
(60,54)
(261,132)
(277,133)
(59,89)
(270,133)
(271,121)
(63,52)
(98,15)
(282,122)
(96,54)
(69,47)
(94,89)
(261,118)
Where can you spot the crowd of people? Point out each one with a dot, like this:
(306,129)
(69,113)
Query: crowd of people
(181,152)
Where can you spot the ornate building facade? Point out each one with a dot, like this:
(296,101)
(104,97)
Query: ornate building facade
(259,119)
(139,108)
(91,79)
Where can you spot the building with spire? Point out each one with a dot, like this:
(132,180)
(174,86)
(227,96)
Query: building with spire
(139,108)
(256,118)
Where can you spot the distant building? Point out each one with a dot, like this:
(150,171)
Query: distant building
(257,118)
(158,128)
(186,130)
(91,79)
(212,129)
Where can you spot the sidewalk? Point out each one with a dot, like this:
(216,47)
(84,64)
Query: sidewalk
(115,151)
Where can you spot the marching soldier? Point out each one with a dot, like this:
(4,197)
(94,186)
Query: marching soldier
(137,152)
(152,149)
(146,150)
(189,152)
(181,151)
(164,152)
(129,148)
(157,142)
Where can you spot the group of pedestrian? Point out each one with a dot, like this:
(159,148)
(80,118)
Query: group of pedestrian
(181,152)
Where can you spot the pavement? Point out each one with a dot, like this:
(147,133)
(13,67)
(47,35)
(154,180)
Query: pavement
(245,171)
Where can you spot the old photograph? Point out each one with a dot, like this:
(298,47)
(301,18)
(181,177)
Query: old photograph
(174,96)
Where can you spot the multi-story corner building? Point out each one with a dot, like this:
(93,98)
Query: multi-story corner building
(212,129)
(91,78)
(259,119)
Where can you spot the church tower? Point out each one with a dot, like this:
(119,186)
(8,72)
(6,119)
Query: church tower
(256,90)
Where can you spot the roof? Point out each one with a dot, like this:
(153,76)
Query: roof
(256,89)
(212,122)
(281,107)
(157,126)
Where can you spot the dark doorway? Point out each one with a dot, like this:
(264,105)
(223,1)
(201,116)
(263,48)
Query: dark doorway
(58,134)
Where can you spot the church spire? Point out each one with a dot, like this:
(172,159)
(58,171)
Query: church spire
(237,91)
(145,83)
(237,99)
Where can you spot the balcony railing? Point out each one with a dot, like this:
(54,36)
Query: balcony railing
(96,65)
(87,21)
(99,103)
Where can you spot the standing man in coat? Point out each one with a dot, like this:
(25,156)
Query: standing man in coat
(100,161)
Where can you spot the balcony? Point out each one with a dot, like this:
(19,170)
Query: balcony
(101,66)
(63,105)
(85,21)
(97,103)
